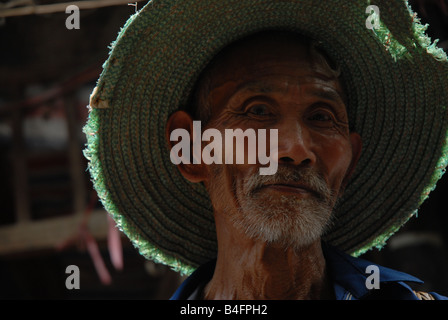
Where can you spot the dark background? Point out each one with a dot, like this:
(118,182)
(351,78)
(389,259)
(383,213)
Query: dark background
(47,73)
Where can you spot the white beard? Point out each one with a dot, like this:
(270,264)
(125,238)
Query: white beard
(286,220)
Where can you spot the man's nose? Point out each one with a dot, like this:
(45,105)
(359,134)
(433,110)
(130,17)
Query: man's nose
(295,144)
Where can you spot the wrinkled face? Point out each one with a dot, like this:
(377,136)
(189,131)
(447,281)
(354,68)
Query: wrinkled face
(281,84)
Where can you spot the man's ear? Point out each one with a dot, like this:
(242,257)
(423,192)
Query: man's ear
(356,143)
(190,171)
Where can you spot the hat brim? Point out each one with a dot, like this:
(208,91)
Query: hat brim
(397,96)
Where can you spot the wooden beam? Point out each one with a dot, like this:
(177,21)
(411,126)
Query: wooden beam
(49,233)
(60,7)
(61,89)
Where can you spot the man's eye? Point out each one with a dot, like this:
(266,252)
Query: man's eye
(259,110)
(322,119)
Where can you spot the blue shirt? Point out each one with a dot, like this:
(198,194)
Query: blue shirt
(348,274)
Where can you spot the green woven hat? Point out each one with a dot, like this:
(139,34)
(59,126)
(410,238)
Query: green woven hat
(397,82)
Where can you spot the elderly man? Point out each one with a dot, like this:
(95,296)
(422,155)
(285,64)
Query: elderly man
(269,227)
(354,122)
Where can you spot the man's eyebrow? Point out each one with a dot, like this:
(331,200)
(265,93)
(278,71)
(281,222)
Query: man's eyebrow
(331,95)
(257,87)
(261,87)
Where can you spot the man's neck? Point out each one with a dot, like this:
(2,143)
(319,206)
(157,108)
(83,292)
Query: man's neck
(251,269)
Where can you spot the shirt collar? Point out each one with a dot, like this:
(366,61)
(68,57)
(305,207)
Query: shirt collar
(349,274)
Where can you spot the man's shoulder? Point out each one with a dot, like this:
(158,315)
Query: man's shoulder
(355,278)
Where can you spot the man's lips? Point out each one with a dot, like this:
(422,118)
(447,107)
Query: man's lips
(291,188)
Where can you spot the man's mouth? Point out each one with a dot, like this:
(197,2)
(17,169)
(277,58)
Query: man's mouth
(295,188)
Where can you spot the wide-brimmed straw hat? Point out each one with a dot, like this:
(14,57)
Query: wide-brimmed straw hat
(397,82)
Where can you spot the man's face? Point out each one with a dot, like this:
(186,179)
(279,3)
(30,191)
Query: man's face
(278,84)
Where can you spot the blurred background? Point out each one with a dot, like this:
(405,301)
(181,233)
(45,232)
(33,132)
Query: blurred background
(50,218)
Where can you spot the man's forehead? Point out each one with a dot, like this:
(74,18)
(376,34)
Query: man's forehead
(264,56)
(275,53)
(311,86)
(253,56)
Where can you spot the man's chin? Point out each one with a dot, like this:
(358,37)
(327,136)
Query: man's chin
(289,221)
